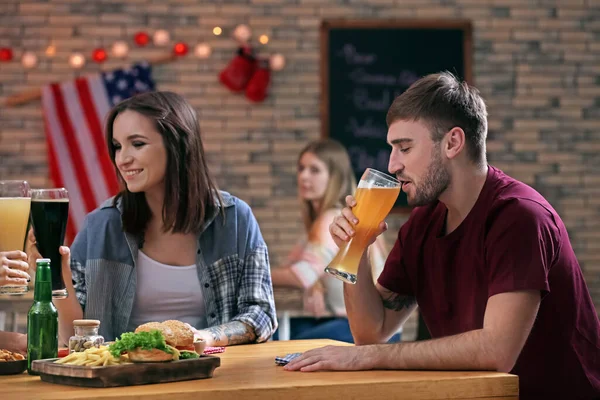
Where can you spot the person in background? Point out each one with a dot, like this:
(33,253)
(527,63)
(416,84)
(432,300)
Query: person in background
(170,245)
(13,271)
(325,178)
(486,257)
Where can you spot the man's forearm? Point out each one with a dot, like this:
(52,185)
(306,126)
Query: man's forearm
(231,333)
(363,305)
(472,350)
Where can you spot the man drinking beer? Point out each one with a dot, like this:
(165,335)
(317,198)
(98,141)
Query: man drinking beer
(486,258)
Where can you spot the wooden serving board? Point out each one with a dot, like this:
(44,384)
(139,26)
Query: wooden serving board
(126,374)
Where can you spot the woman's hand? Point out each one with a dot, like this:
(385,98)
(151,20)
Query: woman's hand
(13,268)
(228,334)
(65,259)
(314,300)
(205,336)
(202,335)
(32,251)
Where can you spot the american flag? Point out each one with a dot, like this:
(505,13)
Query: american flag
(74,114)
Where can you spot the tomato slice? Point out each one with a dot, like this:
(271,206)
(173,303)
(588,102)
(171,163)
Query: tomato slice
(189,348)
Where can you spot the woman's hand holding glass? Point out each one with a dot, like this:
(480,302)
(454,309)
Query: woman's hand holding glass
(13,268)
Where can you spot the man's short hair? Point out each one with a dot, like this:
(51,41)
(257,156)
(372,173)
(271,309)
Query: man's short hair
(441,101)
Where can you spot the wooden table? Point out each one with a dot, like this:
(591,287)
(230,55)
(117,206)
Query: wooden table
(249,372)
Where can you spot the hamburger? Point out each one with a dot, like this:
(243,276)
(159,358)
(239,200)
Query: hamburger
(156,342)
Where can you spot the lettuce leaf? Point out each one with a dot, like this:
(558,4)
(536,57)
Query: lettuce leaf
(145,340)
(188,355)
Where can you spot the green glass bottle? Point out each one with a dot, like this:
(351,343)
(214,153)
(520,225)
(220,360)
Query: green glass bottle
(42,319)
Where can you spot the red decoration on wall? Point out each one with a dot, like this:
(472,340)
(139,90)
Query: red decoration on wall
(258,86)
(6,54)
(99,55)
(141,39)
(180,49)
(237,73)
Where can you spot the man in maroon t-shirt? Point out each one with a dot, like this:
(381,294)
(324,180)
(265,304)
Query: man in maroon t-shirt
(486,258)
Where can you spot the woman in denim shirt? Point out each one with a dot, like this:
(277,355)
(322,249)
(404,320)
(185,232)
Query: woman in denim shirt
(170,245)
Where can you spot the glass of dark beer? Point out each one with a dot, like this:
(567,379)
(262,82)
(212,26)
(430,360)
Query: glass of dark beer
(49,214)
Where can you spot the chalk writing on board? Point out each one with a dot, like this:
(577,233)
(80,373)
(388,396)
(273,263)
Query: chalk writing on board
(361,76)
(379,102)
(353,57)
(407,78)
(362,159)
(367,129)
(367,65)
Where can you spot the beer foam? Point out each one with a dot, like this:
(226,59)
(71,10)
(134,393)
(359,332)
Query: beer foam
(378,185)
(50,200)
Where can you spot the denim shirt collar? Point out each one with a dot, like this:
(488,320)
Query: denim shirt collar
(134,241)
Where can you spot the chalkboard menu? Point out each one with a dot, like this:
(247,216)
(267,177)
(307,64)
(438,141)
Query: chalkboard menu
(365,65)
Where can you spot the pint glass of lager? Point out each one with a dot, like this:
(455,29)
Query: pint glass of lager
(375,196)
(49,214)
(15,202)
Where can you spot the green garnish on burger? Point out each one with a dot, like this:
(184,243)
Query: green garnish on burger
(156,342)
(142,340)
(188,355)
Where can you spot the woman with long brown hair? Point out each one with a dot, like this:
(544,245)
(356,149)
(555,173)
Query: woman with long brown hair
(170,245)
(325,178)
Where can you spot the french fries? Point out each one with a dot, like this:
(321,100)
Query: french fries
(93,357)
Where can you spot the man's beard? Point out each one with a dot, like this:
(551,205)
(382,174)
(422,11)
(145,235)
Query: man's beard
(435,182)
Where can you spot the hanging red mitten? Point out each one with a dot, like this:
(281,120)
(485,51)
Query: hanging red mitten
(259,84)
(239,71)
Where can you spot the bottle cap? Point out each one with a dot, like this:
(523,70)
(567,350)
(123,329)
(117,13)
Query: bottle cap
(42,260)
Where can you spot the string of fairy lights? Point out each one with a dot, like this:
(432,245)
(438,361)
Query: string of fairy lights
(120,49)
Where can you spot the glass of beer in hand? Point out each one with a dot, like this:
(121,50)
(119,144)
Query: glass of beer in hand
(49,214)
(376,194)
(15,202)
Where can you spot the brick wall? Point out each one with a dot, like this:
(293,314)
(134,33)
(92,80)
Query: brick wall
(536,62)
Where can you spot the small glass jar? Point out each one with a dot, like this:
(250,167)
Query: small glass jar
(86,335)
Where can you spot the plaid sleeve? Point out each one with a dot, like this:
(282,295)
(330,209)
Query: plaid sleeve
(78,273)
(256,305)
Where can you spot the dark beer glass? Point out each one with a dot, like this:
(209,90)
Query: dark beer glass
(49,214)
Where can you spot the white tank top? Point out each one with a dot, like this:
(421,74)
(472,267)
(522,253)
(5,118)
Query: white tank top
(166,292)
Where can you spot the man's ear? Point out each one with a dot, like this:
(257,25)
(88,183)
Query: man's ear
(454,142)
